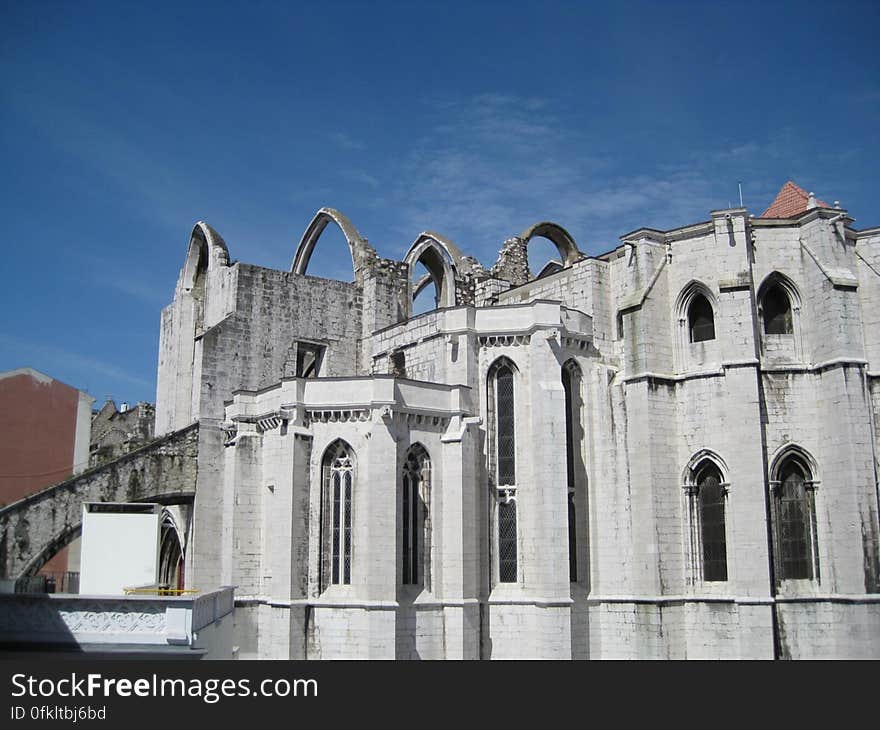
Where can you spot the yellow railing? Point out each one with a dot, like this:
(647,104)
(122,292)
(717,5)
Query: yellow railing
(155,591)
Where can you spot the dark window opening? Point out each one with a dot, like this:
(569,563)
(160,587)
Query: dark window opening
(308,359)
(776,308)
(398,363)
(570,383)
(505,422)
(701,320)
(712,527)
(794,528)
(414,515)
(572,540)
(507,541)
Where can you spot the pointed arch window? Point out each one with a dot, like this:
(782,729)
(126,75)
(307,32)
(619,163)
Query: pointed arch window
(415,519)
(336,515)
(707,504)
(794,520)
(776,311)
(502,432)
(701,319)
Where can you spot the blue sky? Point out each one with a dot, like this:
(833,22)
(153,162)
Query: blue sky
(122,124)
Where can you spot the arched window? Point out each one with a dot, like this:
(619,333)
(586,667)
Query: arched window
(170,554)
(502,432)
(707,502)
(794,518)
(711,497)
(336,519)
(776,311)
(701,319)
(415,524)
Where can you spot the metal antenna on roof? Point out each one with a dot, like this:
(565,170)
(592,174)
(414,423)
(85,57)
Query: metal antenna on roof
(740,184)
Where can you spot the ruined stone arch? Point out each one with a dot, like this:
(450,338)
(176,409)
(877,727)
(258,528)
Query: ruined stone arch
(558,236)
(171,552)
(206,250)
(441,258)
(361,251)
(50,549)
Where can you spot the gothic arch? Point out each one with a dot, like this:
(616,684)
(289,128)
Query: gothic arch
(699,460)
(558,236)
(171,552)
(800,454)
(779,281)
(357,245)
(206,250)
(777,277)
(687,294)
(441,258)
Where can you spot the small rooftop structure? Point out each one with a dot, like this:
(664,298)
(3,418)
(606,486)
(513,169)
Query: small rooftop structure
(791,201)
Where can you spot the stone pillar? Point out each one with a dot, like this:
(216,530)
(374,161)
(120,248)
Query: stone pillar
(459,550)
(375,567)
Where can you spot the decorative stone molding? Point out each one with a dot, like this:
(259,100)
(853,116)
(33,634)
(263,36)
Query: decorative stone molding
(269,423)
(337,415)
(504,340)
(419,419)
(570,342)
(230,431)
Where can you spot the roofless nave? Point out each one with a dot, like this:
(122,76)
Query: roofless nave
(667,450)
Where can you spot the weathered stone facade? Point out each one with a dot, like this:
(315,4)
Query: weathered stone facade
(117,431)
(529,469)
(35,528)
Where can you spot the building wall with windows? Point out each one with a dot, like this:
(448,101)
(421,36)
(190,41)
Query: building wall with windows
(665,451)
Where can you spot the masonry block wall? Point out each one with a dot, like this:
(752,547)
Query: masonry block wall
(612,483)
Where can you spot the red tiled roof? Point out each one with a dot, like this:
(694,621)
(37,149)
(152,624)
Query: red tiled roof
(790,202)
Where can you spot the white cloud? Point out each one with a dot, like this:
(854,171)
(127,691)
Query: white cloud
(496,163)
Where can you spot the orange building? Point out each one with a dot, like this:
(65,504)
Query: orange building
(44,437)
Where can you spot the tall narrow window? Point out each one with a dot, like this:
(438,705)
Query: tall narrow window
(503,464)
(571,384)
(701,319)
(712,527)
(336,515)
(795,521)
(776,311)
(507,539)
(415,538)
(707,498)
(506,431)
